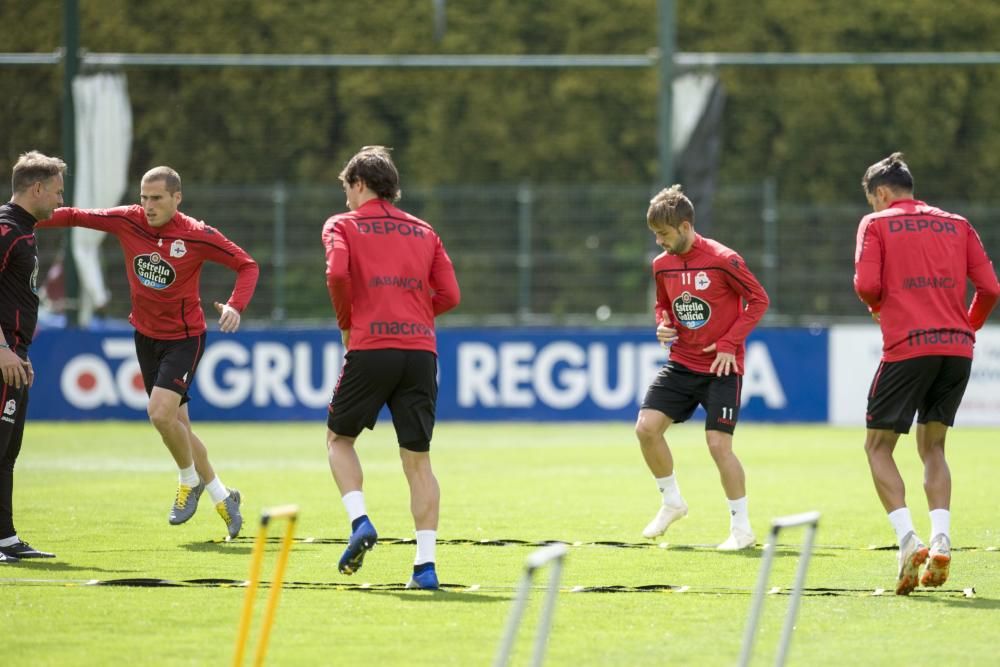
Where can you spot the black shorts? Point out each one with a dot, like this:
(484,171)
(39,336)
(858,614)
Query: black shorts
(169,364)
(932,387)
(13,411)
(406,380)
(677,391)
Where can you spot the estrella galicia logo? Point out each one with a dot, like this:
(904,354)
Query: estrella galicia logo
(691,311)
(154,271)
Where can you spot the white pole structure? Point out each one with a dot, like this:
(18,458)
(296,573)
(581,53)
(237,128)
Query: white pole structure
(811,521)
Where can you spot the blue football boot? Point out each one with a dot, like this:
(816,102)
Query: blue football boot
(362,540)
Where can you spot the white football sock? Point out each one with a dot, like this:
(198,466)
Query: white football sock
(739,517)
(671,492)
(188,476)
(940,523)
(426,546)
(354,503)
(901,522)
(217,490)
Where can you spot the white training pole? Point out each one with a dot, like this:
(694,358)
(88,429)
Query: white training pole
(811,520)
(800,580)
(553,553)
(545,621)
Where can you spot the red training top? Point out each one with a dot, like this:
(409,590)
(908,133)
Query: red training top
(388,276)
(910,266)
(163,265)
(701,293)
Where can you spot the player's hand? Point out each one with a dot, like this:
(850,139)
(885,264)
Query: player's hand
(345,337)
(666,334)
(724,364)
(30,371)
(229,317)
(877,316)
(12,369)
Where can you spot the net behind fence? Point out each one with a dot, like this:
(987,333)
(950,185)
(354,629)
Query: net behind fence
(537,254)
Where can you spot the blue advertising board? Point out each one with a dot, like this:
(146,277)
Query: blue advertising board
(485,374)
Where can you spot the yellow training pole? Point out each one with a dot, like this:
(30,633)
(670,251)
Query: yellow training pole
(291,513)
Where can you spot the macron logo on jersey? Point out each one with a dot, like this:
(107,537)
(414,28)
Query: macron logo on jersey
(400,329)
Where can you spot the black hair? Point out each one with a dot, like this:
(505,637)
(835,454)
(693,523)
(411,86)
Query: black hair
(374,166)
(890,171)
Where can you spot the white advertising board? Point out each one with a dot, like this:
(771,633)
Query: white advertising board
(855,351)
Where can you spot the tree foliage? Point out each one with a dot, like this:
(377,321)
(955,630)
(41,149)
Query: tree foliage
(814,129)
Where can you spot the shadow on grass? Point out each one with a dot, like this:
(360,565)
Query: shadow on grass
(975,603)
(442,595)
(754,554)
(48,565)
(232,548)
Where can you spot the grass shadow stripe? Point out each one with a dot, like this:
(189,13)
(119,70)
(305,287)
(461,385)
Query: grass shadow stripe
(472,589)
(613,544)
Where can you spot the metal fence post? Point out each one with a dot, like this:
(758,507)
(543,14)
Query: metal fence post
(525,221)
(769,216)
(278,257)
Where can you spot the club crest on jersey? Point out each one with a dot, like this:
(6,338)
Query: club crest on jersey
(8,410)
(178,249)
(153,271)
(701,281)
(691,311)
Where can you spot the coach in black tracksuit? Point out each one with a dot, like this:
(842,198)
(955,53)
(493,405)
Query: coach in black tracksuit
(37,184)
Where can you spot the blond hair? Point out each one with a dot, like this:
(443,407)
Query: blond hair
(670,207)
(34,167)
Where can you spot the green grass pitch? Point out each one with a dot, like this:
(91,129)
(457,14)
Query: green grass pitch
(98,495)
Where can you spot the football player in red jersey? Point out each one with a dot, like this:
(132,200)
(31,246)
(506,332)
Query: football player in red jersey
(707,302)
(389,276)
(37,185)
(164,252)
(912,264)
